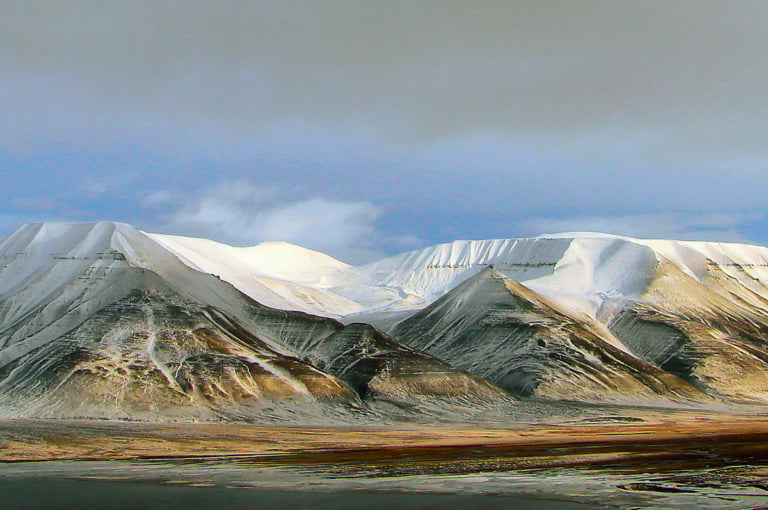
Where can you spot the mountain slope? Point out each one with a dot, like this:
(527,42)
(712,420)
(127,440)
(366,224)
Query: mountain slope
(374,364)
(280,275)
(154,354)
(590,272)
(101,320)
(498,329)
(696,310)
(712,332)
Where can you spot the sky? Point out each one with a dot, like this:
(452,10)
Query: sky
(365,129)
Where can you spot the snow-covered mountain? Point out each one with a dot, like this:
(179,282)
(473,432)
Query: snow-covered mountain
(588,271)
(506,333)
(100,319)
(278,274)
(698,310)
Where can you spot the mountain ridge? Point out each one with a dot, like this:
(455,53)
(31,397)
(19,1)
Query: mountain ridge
(98,320)
(455,327)
(287,276)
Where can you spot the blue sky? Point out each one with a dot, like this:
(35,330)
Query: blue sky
(369,128)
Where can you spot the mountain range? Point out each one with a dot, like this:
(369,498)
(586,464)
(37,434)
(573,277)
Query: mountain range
(102,320)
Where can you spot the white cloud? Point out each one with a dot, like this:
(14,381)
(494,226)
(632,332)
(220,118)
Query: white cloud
(701,227)
(241,213)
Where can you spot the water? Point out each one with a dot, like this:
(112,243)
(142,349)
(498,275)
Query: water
(85,494)
(240,483)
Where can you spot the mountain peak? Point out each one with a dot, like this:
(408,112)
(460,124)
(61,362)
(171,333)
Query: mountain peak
(585,270)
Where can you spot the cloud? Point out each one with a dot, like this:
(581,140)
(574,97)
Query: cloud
(687,226)
(241,213)
(450,118)
(410,70)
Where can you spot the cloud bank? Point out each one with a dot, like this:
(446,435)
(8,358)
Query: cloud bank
(243,214)
(435,120)
(414,71)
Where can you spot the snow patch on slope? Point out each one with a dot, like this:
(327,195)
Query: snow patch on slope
(593,273)
(276,274)
(590,272)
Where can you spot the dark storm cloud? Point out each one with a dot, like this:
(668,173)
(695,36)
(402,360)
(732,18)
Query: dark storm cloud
(425,69)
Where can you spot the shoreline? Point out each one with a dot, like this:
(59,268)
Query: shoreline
(655,441)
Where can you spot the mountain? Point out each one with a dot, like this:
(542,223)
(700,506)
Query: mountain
(498,329)
(101,320)
(697,310)
(277,274)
